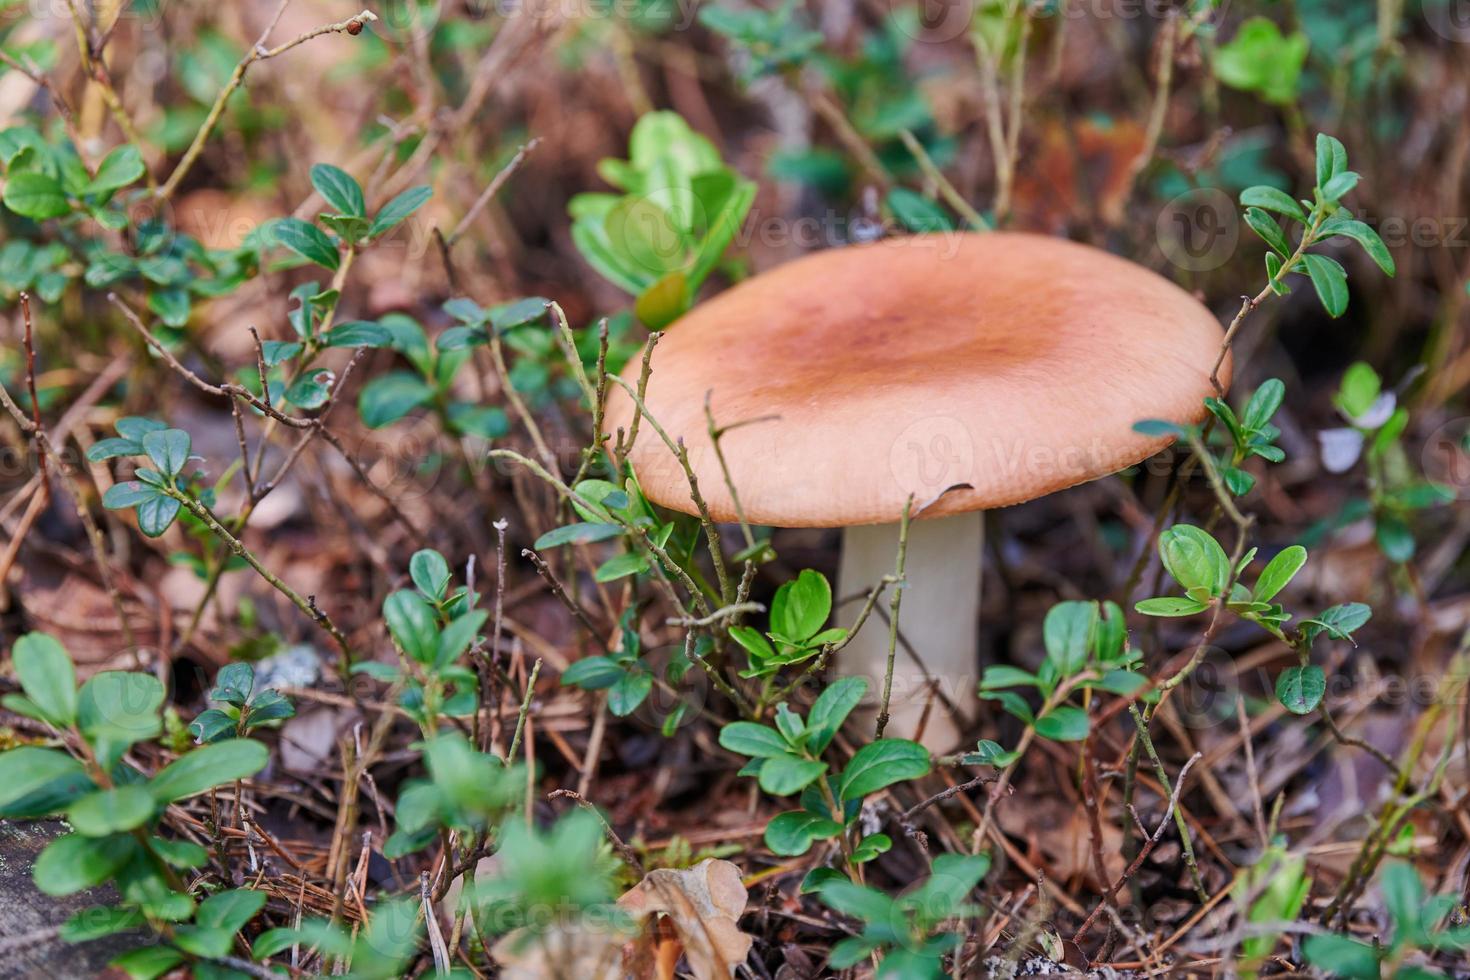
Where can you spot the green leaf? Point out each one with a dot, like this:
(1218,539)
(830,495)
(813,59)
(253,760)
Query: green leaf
(148,962)
(269,706)
(357,333)
(664,301)
(1330,281)
(1195,559)
(411,621)
(1358,390)
(800,608)
(73,862)
(348,229)
(870,847)
(339,190)
(389,397)
(233,684)
(1339,622)
(619,566)
(624,697)
(206,943)
(791,833)
(1367,238)
(955,875)
(1067,632)
(111,811)
(46,675)
(1158,428)
(457,636)
(276,351)
(999,676)
(430,573)
(28,768)
(1125,683)
(1403,893)
(517,313)
(117,708)
(1300,689)
(860,902)
(1263,404)
(310,390)
(1171,606)
(784,774)
(399,208)
(1279,571)
(1260,59)
(755,644)
(1238,481)
(790,725)
(484,421)
(853,950)
(156,514)
(1269,231)
(211,724)
(577,534)
(757,741)
(916,212)
(169,450)
(462,338)
(307,241)
(207,767)
(98,921)
(274,941)
(1340,185)
(1331,158)
(1272,199)
(1394,537)
(1226,415)
(119,168)
(831,709)
(644,235)
(592,673)
(989,753)
(1064,723)
(1274,266)
(35,195)
(230,910)
(882,763)
(104,449)
(726,199)
(817,878)
(1342,957)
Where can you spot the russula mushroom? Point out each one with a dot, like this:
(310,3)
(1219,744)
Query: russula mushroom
(1014,364)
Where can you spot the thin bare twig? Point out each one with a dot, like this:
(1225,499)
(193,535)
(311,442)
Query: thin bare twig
(257,52)
(629,856)
(894,603)
(490,191)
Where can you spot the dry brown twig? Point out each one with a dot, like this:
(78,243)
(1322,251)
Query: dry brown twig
(258,52)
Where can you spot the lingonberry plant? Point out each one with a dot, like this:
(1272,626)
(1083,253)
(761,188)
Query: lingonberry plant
(114,810)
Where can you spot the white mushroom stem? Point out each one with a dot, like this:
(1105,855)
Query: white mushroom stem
(939,618)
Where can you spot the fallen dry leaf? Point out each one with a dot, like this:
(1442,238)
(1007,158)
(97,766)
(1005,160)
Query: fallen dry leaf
(703,904)
(580,950)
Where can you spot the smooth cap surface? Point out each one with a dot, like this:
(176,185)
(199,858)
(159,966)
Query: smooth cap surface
(1015,363)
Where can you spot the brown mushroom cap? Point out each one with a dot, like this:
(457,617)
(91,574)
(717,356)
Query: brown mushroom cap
(1015,363)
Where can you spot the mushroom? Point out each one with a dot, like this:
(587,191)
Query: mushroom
(1003,365)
